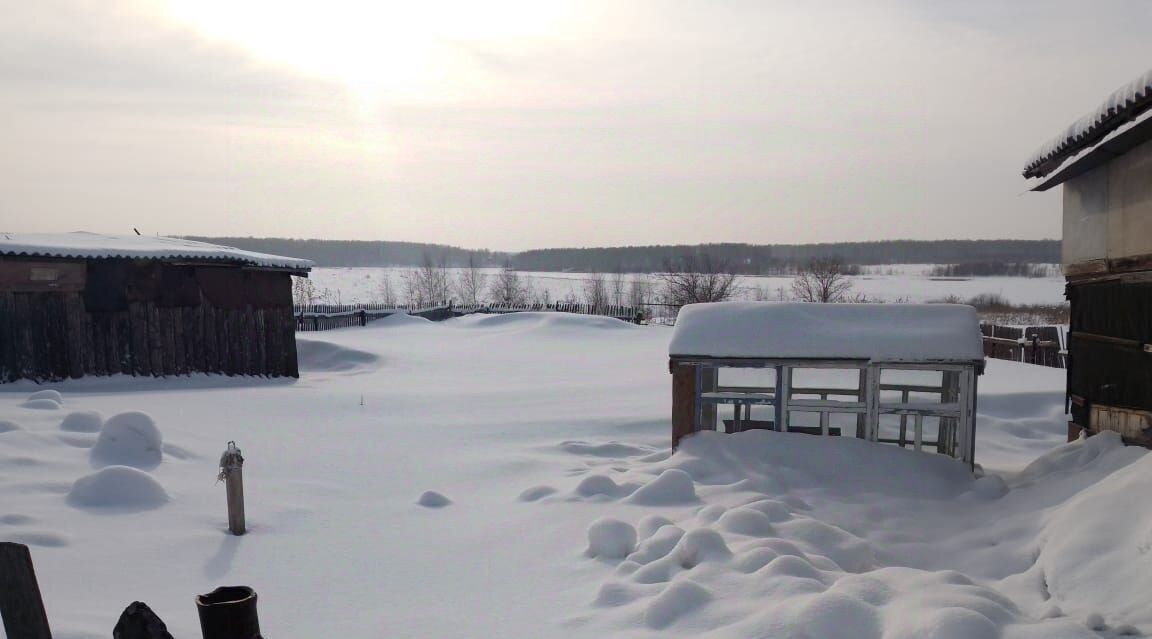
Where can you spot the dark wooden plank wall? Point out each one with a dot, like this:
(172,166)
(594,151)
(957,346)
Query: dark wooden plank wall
(1109,365)
(50,336)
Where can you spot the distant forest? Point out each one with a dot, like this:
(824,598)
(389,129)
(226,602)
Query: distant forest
(751,259)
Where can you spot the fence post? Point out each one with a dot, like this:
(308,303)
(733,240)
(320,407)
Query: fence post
(229,612)
(232,473)
(20,604)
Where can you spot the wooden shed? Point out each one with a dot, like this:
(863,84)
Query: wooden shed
(77,304)
(903,374)
(1104,163)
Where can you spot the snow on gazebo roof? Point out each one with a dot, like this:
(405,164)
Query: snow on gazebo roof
(1121,109)
(83,245)
(785,330)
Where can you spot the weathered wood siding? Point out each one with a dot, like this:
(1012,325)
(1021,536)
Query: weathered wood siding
(1108,214)
(151,319)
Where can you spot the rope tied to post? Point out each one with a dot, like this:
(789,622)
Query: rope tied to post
(230,461)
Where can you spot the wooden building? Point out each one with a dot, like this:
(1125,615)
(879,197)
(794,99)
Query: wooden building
(894,373)
(1104,163)
(77,304)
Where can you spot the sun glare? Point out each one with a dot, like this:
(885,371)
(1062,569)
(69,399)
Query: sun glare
(381,51)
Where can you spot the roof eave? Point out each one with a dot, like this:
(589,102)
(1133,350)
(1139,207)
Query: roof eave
(1099,155)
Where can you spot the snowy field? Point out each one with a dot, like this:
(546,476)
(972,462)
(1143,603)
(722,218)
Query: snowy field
(899,282)
(558,510)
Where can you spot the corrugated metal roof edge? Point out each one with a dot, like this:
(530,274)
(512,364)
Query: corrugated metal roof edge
(1108,117)
(295,265)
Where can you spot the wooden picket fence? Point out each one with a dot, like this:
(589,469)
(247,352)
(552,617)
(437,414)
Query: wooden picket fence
(324,317)
(1040,345)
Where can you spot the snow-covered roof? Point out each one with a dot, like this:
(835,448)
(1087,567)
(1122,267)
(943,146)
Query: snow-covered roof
(1124,105)
(83,245)
(786,330)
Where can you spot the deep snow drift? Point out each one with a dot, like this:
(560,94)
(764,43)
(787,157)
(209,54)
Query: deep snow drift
(510,476)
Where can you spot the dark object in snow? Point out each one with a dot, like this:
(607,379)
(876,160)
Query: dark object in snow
(20,602)
(139,622)
(229,612)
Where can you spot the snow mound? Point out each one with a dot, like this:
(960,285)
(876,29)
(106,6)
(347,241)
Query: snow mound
(32,538)
(118,487)
(606,449)
(679,599)
(8,427)
(129,439)
(746,521)
(1100,536)
(657,546)
(700,545)
(320,356)
(83,421)
(433,499)
(611,539)
(650,524)
(600,486)
(42,404)
(402,319)
(543,321)
(837,615)
(536,493)
(47,393)
(673,486)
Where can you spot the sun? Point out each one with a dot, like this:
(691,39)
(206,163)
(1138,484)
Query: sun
(381,51)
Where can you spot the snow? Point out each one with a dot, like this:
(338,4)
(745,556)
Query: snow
(129,439)
(47,394)
(878,332)
(97,245)
(120,487)
(758,534)
(611,539)
(83,421)
(1120,99)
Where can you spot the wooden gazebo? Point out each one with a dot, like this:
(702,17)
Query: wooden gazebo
(903,374)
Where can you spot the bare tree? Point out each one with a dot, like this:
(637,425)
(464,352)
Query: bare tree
(386,293)
(640,290)
(823,279)
(303,291)
(470,283)
(617,283)
(509,288)
(329,296)
(427,284)
(697,278)
(596,291)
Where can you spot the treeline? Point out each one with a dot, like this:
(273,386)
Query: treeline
(750,259)
(990,269)
(754,259)
(358,253)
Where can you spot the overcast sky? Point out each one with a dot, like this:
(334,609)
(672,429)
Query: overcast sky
(512,124)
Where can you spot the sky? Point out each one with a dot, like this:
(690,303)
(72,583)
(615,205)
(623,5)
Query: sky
(517,124)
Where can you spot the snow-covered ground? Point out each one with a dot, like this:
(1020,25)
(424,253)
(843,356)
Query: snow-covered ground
(509,476)
(899,282)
